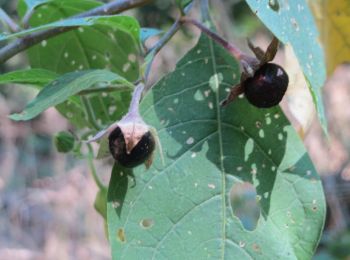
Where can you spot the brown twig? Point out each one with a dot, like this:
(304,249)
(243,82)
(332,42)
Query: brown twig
(27,41)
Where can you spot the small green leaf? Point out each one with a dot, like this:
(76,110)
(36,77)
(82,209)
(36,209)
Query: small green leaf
(31,76)
(100,203)
(183,209)
(293,23)
(65,86)
(64,141)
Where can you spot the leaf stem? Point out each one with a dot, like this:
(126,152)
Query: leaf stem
(8,21)
(29,40)
(93,169)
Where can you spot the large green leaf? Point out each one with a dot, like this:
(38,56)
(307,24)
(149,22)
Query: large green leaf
(64,87)
(100,46)
(293,23)
(38,77)
(182,209)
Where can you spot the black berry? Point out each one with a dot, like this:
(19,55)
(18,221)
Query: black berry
(138,155)
(267,87)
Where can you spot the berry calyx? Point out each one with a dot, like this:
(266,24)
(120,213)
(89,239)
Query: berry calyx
(267,87)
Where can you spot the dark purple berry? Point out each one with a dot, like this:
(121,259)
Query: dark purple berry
(138,155)
(267,87)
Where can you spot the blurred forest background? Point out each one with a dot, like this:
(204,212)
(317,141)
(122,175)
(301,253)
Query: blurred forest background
(46,198)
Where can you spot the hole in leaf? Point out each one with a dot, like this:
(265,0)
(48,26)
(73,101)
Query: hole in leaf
(147,223)
(245,205)
(121,235)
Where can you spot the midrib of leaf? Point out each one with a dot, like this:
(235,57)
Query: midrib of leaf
(61,53)
(219,130)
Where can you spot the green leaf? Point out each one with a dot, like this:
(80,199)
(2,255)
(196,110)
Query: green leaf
(42,77)
(26,6)
(113,44)
(65,86)
(293,24)
(108,107)
(73,110)
(147,33)
(31,4)
(125,23)
(38,77)
(100,203)
(115,201)
(115,48)
(182,209)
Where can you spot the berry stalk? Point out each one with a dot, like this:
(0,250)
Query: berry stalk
(135,100)
(245,59)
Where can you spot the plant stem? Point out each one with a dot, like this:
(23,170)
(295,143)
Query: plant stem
(237,53)
(89,112)
(8,21)
(135,100)
(26,18)
(27,41)
(159,45)
(93,169)
(165,38)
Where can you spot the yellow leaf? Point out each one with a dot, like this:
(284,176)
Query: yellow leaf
(333,19)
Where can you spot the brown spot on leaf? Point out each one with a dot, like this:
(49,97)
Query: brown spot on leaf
(121,235)
(256,248)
